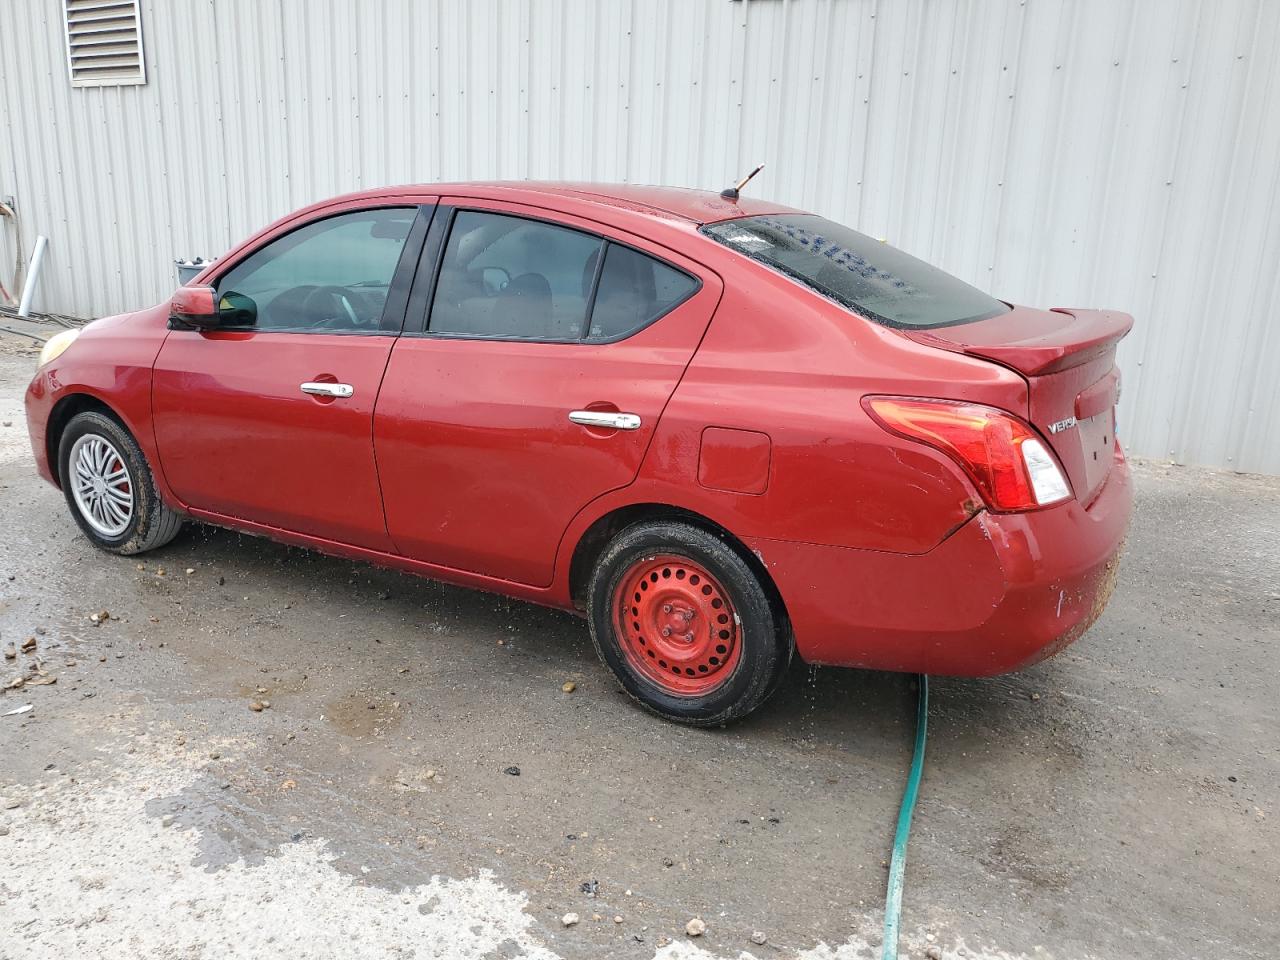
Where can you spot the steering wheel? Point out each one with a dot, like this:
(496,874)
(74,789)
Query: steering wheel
(341,307)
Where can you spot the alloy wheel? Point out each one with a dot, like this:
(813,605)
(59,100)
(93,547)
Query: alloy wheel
(101,485)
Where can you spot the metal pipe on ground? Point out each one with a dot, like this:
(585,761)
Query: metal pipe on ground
(23,333)
(33,274)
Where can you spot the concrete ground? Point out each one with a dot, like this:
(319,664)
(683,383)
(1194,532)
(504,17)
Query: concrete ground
(1117,801)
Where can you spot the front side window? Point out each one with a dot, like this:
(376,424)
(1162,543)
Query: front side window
(330,275)
(862,274)
(507,277)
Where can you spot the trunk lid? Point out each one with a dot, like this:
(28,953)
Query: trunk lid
(1068,358)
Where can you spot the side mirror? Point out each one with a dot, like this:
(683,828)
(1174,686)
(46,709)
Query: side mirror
(194,306)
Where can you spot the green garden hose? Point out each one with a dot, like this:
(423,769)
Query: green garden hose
(898,862)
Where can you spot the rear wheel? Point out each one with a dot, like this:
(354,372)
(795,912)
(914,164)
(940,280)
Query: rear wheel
(109,486)
(685,624)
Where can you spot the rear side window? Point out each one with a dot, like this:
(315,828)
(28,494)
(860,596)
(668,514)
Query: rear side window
(511,278)
(634,290)
(866,276)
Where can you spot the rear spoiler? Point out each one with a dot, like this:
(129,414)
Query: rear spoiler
(1034,342)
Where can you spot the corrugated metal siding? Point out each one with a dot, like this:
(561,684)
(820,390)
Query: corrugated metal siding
(1119,153)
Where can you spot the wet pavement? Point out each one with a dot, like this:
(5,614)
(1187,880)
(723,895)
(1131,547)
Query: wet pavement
(1117,801)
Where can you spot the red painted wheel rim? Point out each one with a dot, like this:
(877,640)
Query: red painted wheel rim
(676,625)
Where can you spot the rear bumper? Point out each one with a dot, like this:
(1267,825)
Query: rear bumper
(1004,591)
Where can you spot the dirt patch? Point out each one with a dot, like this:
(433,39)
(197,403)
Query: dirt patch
(363,714)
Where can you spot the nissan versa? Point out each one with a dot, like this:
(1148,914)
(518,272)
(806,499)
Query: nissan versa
(726,430)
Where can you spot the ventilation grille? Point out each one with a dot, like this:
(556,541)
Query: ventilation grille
(104,43)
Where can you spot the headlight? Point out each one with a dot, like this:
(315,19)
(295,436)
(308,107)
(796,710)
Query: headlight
(54,346)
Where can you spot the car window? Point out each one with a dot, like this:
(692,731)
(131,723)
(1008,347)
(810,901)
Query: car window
(634,290)
(867,276)
(332,274)
(512,278)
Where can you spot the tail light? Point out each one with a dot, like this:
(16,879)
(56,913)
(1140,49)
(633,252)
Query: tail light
(1008,463)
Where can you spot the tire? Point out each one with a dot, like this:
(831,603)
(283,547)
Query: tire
(685,625)
(109,470)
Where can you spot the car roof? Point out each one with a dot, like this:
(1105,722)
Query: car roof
(679,203)
(697,206)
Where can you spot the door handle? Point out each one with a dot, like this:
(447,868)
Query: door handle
(606,419)
(341,390)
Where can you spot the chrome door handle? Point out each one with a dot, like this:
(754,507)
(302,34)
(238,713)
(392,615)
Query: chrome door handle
(606,419)
(328,389)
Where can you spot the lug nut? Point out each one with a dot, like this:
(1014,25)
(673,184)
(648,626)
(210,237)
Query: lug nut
(666,608)
(666,631)
(689,637)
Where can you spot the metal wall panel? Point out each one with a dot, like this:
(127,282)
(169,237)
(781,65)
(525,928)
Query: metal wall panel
(1119,153)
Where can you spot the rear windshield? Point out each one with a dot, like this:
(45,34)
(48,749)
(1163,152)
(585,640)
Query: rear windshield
(865,275)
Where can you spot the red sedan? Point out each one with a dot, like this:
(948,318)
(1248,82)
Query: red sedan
(725,430)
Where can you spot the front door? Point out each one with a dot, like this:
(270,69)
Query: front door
(269,417)
(532,385)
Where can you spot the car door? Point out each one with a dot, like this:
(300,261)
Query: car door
(268,417)
(537,358)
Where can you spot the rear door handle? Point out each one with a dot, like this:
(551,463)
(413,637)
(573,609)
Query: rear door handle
(318,389)
(606,419)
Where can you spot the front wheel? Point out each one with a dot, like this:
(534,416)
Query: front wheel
(109,487)
(685,624)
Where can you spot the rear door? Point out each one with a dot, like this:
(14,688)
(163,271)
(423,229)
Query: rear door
(537,358)
(269,417)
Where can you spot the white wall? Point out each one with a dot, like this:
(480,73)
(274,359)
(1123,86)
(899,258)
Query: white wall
(1119,153)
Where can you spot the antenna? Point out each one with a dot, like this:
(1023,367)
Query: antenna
(731,193)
